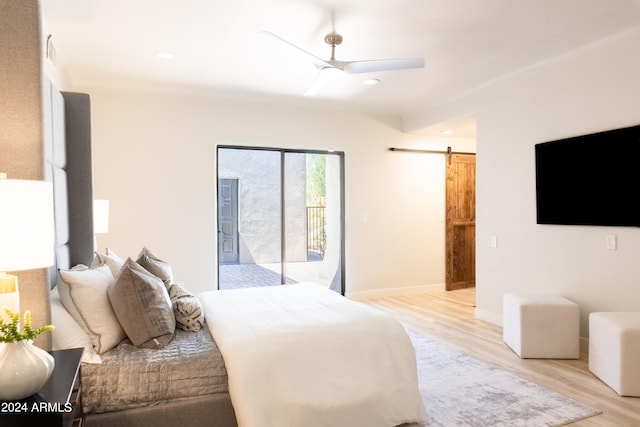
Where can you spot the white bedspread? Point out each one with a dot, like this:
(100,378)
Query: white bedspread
(304,356)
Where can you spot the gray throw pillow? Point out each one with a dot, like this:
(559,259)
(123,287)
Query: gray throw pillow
(156,266)
(142,305)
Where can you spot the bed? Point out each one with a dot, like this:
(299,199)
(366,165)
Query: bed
(296,355)
(302,355)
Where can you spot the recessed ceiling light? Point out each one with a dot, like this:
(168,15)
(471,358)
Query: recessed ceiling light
(371,82)
(164,55)
(447,132)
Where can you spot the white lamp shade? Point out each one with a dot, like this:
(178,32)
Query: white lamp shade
(26,224)
(100,216)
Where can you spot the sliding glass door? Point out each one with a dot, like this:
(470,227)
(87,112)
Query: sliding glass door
(280,217)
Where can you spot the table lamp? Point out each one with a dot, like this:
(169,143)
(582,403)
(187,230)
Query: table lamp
(100,216)
(26,234)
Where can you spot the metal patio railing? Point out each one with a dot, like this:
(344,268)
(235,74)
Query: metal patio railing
(316,234)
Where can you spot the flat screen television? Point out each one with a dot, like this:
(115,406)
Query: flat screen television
(590,179)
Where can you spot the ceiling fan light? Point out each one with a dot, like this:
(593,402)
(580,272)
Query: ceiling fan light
(331,73)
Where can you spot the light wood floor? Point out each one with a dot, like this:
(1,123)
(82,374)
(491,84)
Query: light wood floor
(449,317)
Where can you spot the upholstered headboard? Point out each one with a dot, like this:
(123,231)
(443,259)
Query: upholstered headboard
(68,165)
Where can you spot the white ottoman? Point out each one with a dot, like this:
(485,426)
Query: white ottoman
(614,350)
(541,326)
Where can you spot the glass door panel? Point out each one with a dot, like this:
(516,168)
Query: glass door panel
(313,218)
(249,197)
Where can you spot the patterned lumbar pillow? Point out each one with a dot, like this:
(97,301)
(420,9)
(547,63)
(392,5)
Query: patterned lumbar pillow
(187,308)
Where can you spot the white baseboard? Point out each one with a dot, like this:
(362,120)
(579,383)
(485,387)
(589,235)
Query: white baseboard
(489,316)
(584,345)
(392,292)
(496,319)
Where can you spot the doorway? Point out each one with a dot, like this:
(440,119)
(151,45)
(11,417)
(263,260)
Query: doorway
(228,221)
(460,221)
(280,217)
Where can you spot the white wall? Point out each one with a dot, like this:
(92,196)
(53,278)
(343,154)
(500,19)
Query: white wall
(593,89)
(154,157)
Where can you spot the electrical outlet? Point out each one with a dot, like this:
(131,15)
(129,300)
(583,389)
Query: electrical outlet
(612,242)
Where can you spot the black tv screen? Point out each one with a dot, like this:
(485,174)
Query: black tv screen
(590,180)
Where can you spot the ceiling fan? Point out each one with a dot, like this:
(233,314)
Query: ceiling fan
(332,69)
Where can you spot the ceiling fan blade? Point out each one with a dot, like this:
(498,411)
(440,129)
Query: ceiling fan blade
(325,75)
(317,85)
(356,67)
(317,62)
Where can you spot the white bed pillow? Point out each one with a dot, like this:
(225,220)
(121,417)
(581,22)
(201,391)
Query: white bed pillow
(67,333)
(84,294)
(110,259)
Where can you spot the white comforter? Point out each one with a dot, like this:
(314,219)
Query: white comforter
(304,356)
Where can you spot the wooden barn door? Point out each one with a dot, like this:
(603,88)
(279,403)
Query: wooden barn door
(461,221)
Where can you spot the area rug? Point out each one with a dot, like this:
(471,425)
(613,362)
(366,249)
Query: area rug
(460,391)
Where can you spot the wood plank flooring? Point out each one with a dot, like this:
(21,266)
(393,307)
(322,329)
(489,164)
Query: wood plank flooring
(449,317)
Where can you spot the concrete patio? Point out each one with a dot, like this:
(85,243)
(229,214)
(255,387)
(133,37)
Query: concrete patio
(233,276)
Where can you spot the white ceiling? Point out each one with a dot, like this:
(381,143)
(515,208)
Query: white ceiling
(217,46)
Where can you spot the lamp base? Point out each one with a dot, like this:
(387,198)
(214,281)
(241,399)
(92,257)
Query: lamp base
(8,283)
(9,295)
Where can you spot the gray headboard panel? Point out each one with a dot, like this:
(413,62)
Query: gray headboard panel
(79,177)
(67,154)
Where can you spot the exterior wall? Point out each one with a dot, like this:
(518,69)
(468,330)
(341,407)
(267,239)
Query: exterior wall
(295,207)
(331,261)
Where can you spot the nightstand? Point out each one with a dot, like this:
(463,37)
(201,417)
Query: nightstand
(57,403)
